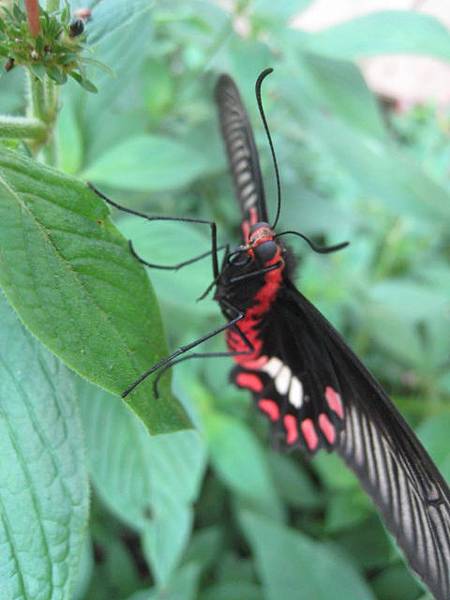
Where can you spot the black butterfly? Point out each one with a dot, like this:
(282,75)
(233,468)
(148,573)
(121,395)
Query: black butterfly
(306,380)
(303,377)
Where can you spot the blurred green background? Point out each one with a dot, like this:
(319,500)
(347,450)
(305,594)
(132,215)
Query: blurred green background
(220,516)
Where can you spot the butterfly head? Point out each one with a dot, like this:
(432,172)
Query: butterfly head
(262,245)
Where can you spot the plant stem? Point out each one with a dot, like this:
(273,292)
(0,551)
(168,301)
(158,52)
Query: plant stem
(22,128)
(37,107)
(43,107)
(32,8)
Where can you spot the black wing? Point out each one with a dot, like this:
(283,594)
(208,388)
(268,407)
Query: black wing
(241,150)
(346,410)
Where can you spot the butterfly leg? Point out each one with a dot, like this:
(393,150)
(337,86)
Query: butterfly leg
(176,361)
(212,225)
(170,359)
(277,265)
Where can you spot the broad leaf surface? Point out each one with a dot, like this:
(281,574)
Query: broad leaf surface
(147,163)
(70,276)
(162,475)
(384,32)
(294,566)
(44,492)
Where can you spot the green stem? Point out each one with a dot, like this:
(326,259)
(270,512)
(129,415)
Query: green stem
(37,106)
(22,128)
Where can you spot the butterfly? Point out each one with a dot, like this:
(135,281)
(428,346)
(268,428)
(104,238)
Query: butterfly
(305,379)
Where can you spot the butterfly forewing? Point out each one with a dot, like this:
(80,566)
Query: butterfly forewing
(241,151)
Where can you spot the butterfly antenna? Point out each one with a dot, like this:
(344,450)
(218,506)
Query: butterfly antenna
(318,249)
(258,85)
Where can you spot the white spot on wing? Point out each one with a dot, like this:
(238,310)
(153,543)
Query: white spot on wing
(296,392)
(272,367)
(282,380)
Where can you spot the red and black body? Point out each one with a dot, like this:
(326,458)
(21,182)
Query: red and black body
(306,380)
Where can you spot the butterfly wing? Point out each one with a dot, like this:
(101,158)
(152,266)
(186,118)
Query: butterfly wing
(241,150)
(318,394)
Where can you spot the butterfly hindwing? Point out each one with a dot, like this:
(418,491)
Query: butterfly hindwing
(361,424)
(241,151)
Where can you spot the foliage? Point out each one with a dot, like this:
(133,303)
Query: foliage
(213,513)
(55,51)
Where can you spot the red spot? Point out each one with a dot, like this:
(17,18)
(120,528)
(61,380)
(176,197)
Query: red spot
(310,434)
(327,427)
(334,401)
(245,230)
(290,423)
(250,381)
(253,216)
(270,407)
(257,363)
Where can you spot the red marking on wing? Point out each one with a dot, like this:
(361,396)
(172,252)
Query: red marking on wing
(327,427)
(310,434)
(256,363)
(334,401)
(253,215)
(270,407)
(290,423)
(245,230)
(250,381)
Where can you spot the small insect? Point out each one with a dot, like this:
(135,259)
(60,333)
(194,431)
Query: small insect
(76,28)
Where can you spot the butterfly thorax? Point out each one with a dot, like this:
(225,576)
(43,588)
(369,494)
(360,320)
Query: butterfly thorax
(244,285)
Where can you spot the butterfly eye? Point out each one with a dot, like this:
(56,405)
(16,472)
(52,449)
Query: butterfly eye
(239,258)
(266,251)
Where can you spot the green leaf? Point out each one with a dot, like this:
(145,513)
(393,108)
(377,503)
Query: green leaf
(111,21)
(70,143)
(147,163)
(70,276)
(168,244)
(398,578)
(240,462)
(279,11)
(384,32)
(183,586)
(165,539)
(294,566)
(409,300)
(149,482)
(292,482)
(433,434)
(376,163)
(43,480)
(229,590)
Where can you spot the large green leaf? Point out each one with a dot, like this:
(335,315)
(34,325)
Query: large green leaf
(166,243)
(294,566)
(44,494)
(70,276)
(240,462)
(147,163)
(384,32)
(380,167)
(149,482)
